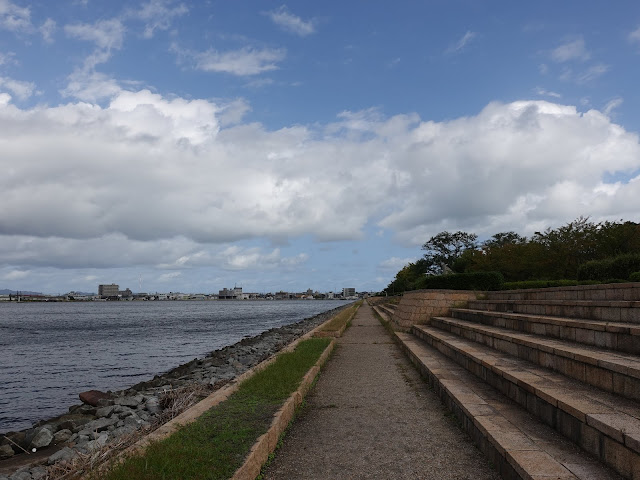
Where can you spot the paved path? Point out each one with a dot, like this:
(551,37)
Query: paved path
(372,416)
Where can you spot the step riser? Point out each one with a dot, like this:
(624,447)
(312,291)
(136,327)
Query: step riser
(628,292)
(610,381)
(622,342)
(608,450)
(587,312)
(499,461)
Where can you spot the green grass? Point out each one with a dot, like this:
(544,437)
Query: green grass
(342,318)
(215,445)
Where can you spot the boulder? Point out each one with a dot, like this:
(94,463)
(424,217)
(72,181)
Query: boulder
(24,475)
(74,421)
(63,455)
(98,425)
(95,398)
(153,405)
(38,473)
(42,438)
(62,436)
(6,451)
(104,411)
(131,402)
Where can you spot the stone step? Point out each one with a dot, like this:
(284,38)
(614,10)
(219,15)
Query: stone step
(612,291)
(386,316)
(615,372)
(608,310)
(621,336)
(517,444)
(603,424)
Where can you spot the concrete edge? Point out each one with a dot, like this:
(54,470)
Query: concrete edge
(267,443)
(335,333)
(193,413)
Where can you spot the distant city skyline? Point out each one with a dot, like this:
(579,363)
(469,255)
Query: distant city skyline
(194,145)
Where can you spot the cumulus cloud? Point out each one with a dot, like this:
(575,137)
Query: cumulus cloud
(395,264)
(290,22)
(160,181)
(47,29)
(106,34)
(243,62)
(22,90)
(157,15)
(574,49)
(15,18)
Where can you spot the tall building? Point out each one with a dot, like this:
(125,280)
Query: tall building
(109,290)
(348,292)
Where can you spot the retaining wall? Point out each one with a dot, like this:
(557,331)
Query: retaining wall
(418,306)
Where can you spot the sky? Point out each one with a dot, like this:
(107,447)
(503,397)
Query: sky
(188,146)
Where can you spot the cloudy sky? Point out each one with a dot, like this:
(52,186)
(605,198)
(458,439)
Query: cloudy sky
(193,145)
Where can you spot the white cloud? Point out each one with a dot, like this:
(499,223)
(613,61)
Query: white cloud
(157,15)
(7,58)
(16,275)
(592,73)
(106,34)
(395,264)
(47,29)
(168,277)
(571,50)
(612,105)
(462,42)
(15,18)
(242,62)
(22,90)
(546,93)
(290,22)
(634,37)
(151,180)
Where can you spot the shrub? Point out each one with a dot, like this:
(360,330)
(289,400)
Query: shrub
(635,277)
(463,281)
(621,266)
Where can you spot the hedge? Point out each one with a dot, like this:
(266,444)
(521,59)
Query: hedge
(635,277)
(463,281)
(621,266)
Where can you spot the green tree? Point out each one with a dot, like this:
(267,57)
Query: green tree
(442,250)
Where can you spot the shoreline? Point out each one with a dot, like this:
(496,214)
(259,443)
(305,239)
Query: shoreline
(105,417)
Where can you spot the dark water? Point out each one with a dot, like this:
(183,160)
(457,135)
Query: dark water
(49,352)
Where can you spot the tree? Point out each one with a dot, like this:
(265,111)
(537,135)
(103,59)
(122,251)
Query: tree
(443,249)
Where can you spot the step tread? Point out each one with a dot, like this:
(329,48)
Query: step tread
(620,362)
(611,414)
(579,303)
(533,449)
(599,325)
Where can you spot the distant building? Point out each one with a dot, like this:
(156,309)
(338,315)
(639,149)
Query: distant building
(105,291)
(348,292)
(230,294)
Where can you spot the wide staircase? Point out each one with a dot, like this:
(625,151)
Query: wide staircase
(546,381)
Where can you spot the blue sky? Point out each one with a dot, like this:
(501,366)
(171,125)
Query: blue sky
(198,145)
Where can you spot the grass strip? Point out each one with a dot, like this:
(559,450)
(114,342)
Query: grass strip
(215,445)
(341,319)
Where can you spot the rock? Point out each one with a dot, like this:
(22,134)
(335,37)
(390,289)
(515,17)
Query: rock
(6,451)
(38,473)
(97,425)
(74,421)
(62,436)
(64,455)
(132,402)
(153,405)
(94,397)
(21,475)
(42,438)
(123,412)
(133,421)
(98,443)
(104,411)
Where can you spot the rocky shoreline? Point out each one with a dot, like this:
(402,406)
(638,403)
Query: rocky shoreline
(105,418)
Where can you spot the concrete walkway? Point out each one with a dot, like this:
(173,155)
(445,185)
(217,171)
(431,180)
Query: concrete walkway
(372,416)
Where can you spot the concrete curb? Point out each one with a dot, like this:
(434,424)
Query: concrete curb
(217,397)
(334,333)
(266,444)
